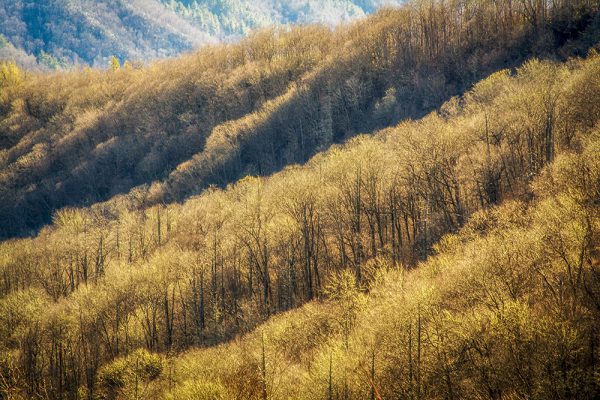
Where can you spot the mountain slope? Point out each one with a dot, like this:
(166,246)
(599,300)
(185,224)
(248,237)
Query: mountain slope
(63,32)
(238,17)
(10,52)
(174,128)
(90,32)
(495,313)
(98,303)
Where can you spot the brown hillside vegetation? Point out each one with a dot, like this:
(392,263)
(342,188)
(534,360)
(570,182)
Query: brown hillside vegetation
(76,138)
(508,308)
(102,303)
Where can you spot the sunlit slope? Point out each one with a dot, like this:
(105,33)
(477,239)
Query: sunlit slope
(252,108)
(85,136)
(506,307)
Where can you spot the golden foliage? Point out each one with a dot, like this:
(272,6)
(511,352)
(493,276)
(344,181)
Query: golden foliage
(455,256)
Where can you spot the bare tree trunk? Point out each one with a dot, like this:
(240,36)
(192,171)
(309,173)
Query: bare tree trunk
(263,368)
(419,355)
(330,391)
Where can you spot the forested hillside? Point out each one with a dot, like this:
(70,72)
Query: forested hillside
(238,17)
(507,308)
(60,33)
(64,32)
(404,207)
(102,302)
(20,57)
(253,107)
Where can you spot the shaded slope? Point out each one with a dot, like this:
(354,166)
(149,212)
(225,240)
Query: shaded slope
(119,130)
(62,32)
(98,134)
(90,32)
(239,17)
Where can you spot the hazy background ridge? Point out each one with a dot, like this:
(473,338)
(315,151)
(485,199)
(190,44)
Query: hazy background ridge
(58,33)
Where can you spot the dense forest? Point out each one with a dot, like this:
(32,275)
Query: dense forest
(404,207)
(179,126)
(61,33)
(9,52)
(223,18)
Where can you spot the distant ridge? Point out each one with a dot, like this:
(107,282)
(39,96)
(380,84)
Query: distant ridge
(64,32)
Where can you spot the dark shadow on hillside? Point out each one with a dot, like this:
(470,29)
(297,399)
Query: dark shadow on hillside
(371,85)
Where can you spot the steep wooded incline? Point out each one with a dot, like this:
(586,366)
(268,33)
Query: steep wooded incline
(101,302)
(176,127)
(262,220)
